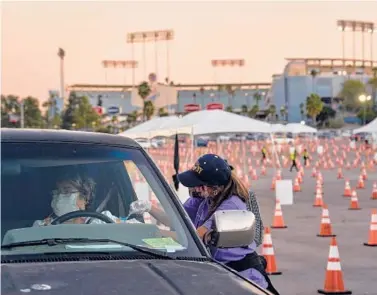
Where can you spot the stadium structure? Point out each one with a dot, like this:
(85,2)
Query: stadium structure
(299,78)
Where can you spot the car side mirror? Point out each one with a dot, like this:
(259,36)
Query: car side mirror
(233,228)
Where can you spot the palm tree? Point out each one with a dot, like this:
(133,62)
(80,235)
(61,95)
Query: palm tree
(313,73)
(144,91)
(373,83)
(162,112)
(148,109)
(314,106)
(283,113)
(253,111)
(230,91)
(257,97)
(244,109)
(272,110)
(132,118)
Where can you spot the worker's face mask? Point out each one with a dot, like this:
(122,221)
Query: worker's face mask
(64,203)
(193,192)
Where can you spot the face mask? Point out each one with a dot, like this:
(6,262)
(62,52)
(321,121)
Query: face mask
(195,194)
(64,203)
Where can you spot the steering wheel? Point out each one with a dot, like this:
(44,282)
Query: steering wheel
(80,213)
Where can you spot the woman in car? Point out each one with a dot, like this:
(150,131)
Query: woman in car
(74,195)
(214,186)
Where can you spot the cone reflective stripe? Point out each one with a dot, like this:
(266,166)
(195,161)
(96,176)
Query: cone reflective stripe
(268,253)
(361,184)
(372,241)
(334,283)
(296,186)
(374,193)
(347,189)
(318,201)
(354,203)
(325,229)
(278,221)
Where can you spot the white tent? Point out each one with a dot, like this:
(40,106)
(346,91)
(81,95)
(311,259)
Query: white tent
(212,122)
(292,128)
(145,130)
(369,128)
(299,128)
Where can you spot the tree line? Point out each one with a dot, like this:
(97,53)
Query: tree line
(78,113)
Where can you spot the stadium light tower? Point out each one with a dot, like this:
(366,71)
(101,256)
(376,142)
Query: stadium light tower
(121,64)
(151,36)
(355,27)
(216,63)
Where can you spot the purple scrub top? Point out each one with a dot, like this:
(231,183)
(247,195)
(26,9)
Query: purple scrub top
(197,209)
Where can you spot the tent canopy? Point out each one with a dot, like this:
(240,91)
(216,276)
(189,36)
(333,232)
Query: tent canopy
(369,128)
(292,128)
(145,130)
(213,122)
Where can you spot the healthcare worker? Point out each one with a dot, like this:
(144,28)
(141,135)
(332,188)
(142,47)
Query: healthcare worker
(74,195)
(215,187)
(293,158)
(305,156)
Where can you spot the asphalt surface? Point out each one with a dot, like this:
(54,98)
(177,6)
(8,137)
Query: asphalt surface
(302,256)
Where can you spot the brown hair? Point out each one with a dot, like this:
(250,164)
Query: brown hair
(235,187)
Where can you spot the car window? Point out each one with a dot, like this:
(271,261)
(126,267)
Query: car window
(101,179)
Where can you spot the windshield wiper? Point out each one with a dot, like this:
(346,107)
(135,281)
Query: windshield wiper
(59,241)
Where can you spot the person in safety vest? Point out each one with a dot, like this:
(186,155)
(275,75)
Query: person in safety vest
(264,153)
(305,156)
(293,158)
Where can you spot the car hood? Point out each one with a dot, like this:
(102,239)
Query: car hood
(134,277)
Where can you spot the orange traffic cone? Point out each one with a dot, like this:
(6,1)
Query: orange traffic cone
(325,229)
(347,189)
(273,183)
(268,253)
(374,193)
(278,221)
(372,241)
(263,171)
(361,184)
(354,204)
(296,186)
(340,173)
(334,283)
(318,201)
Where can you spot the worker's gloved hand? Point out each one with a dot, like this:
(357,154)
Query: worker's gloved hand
(140,207)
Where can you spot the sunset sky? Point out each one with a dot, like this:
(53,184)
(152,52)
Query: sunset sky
(263,33)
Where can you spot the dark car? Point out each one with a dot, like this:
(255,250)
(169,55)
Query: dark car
(101,247)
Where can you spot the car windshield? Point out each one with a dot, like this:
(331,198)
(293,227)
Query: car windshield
(41,182)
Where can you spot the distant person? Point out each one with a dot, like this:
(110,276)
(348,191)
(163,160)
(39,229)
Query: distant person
(264,153)
(305,156)
(293,158)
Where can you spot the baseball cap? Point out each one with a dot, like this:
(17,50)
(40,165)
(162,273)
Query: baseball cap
(209,169)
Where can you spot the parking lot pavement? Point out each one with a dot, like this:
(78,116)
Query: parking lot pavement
(302,256)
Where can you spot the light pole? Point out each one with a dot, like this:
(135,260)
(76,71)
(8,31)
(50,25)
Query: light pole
(364,99)
(61,54)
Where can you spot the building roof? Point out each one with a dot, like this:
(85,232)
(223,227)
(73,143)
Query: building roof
(205,86)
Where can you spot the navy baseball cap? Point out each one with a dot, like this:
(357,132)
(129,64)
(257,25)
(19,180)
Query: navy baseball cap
(210,170)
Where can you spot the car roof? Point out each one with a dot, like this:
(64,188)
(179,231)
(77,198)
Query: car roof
(49,135)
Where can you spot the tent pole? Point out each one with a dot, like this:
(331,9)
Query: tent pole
(192,145)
